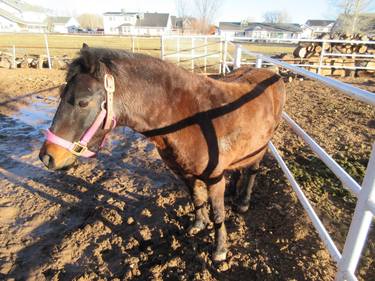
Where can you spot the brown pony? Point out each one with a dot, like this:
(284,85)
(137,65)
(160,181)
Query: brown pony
(201,127)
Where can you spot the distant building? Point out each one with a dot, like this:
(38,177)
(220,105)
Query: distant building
(315,28)
(231,29)
(62,24)
(273,30)
(260,30)
(183,25)
(19,16)
(125,23)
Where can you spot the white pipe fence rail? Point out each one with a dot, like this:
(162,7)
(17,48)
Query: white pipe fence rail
(323,53)
(196,48)
(347,261)
(224,53)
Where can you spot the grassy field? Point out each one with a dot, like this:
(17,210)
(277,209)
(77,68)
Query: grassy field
(69,45)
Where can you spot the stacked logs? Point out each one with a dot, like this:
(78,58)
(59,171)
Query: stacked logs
(309,53)
(32,61)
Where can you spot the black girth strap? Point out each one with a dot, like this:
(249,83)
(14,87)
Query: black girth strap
(209,133)
(205,122)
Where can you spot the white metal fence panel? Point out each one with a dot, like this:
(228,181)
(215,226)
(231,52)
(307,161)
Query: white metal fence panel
(200,54)
(365,207)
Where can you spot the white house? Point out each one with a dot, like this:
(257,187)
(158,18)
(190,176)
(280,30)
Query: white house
(273,30)
(62,24)
(19,16)
(231,29)
(112,21)
(137,23)
(260,30)
(314,28)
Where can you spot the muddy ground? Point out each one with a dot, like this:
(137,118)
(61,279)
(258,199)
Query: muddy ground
(124,215)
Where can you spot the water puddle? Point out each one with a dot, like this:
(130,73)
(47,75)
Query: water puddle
(21,133)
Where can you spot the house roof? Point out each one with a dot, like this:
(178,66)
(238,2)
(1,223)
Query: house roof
(319,22)
(183,22)
(18,20)
(122,13)
(153,20)
(23,6)
(230,25)
(274,27)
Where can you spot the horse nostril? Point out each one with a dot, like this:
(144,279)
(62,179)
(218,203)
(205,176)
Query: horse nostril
(48,161)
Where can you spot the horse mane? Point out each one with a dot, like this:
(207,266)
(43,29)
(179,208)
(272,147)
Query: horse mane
(95,61)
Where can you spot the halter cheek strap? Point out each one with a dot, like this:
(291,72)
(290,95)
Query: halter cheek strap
(105,117)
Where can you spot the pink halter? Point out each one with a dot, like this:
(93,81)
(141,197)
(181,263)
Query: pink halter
(80,148)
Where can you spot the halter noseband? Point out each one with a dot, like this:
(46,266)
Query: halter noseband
(106,116)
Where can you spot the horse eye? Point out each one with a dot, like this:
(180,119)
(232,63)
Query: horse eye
(83,103)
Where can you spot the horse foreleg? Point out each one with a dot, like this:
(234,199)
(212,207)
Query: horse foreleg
(246,187)
(216,196)
(199,195)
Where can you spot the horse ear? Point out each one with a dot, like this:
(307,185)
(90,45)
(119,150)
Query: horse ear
(85,46)
(89,59)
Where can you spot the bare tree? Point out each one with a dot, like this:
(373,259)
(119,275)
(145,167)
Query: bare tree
(90,21)
(352,18)
(276,17)
(182,8)
(205,11)
(182,12)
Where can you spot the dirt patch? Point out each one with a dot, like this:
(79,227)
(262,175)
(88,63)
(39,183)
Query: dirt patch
(125,215)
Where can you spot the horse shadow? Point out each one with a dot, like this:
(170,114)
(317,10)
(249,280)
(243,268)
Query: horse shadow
(91,212)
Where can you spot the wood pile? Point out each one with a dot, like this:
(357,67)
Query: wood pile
(309,53)
(32,61)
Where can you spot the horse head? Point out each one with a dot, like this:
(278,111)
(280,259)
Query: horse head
(85,114)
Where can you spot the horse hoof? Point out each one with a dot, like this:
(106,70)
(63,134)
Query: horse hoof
(220,255)
(197,226)
(241,208)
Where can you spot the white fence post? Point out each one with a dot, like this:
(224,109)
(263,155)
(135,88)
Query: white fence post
(192,54)
(237,57)
(14,57)
(178,50)
(47,50)
(162,47)
(225,55)
(259,62)
(360,225)
(133,44)
(221,54)
(205,54)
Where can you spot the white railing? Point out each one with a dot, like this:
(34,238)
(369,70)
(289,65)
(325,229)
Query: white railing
(191,54)
(347,261)
(323,53)
(189,49)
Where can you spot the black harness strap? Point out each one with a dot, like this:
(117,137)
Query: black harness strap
(209,133)
(204,120)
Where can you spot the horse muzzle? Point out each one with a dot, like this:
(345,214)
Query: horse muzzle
(55,157)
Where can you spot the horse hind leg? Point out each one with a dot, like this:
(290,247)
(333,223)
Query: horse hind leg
(245,187)
(199,195)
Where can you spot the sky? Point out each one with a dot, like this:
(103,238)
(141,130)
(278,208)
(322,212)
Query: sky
(231,10)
